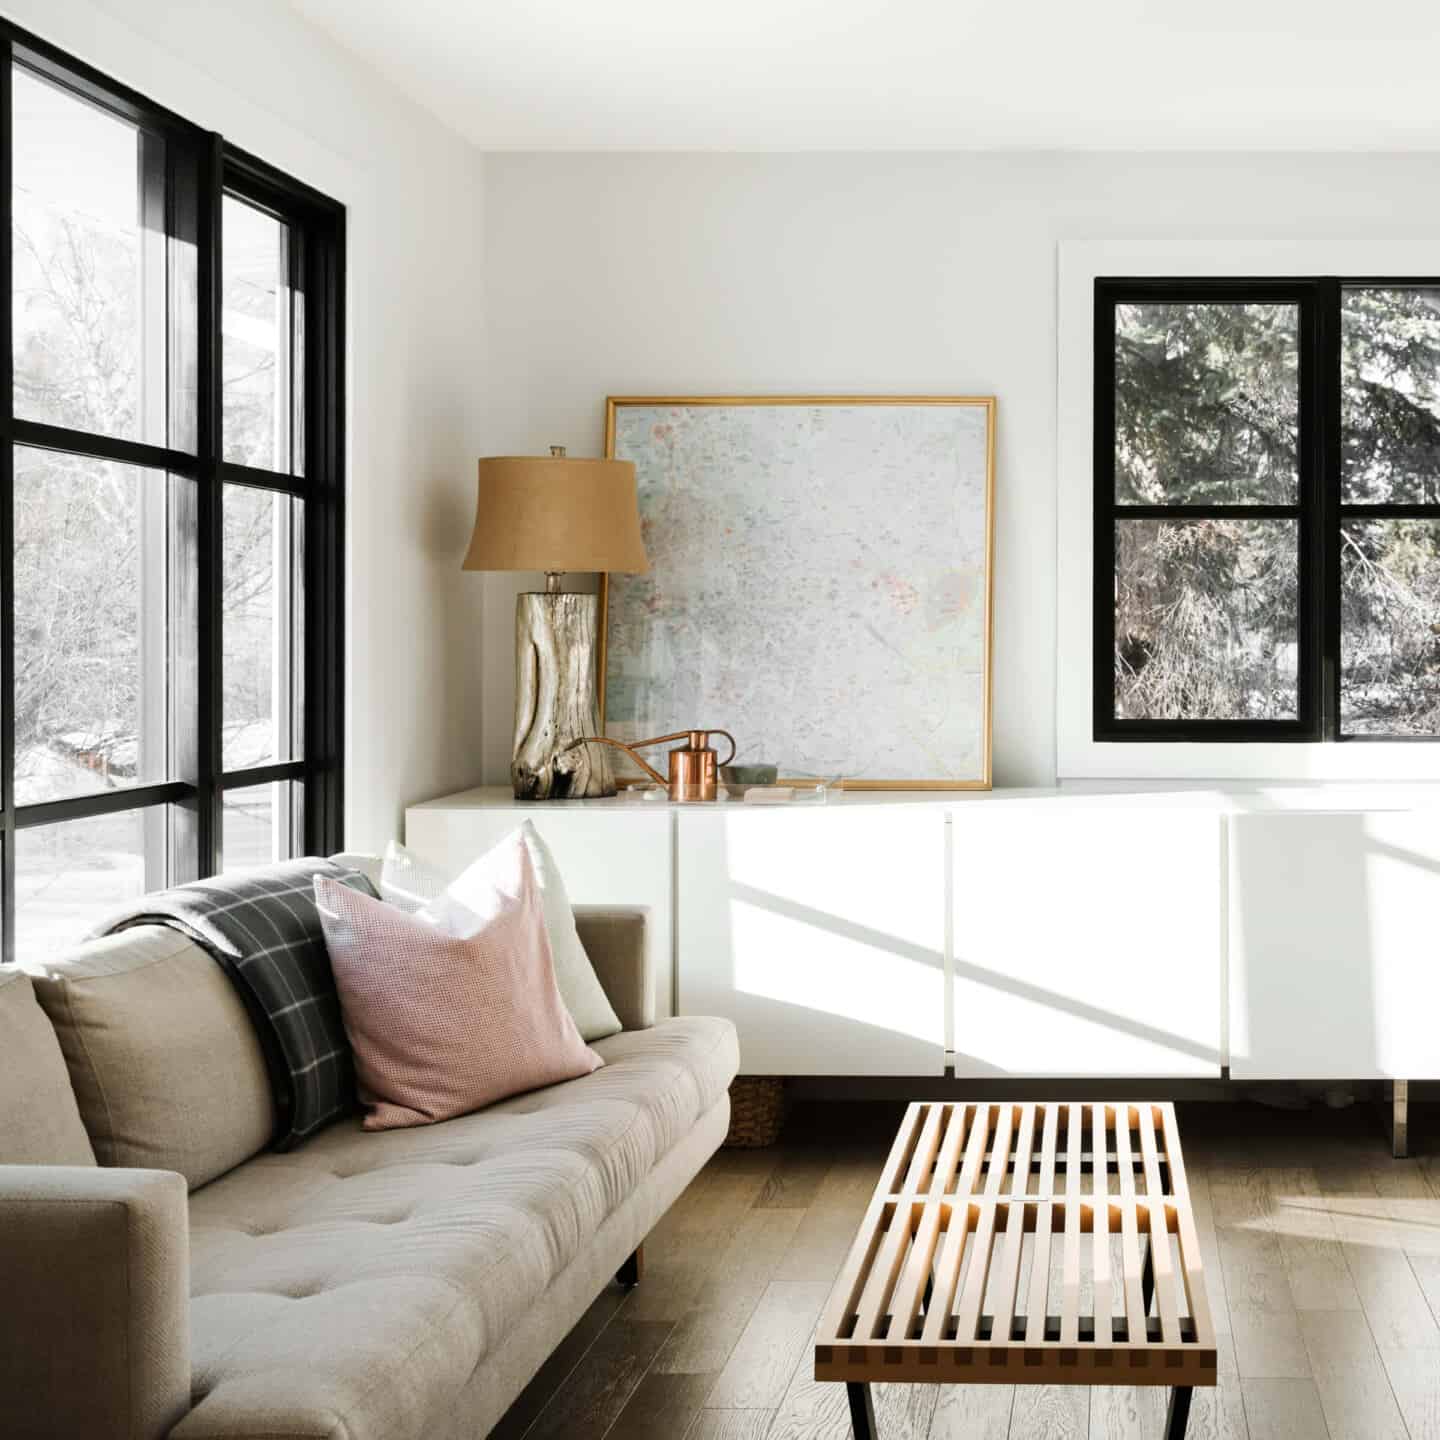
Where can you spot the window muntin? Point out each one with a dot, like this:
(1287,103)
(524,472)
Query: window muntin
(155,720)
(1309,406)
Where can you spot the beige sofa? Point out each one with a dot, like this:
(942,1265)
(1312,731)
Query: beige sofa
(364,1287)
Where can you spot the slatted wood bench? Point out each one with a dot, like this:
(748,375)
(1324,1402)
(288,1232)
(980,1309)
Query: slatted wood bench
(1003,1246)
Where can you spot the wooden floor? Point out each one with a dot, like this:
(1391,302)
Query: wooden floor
(1322,1259)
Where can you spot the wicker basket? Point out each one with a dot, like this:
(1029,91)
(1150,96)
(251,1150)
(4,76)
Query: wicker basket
(757,1111)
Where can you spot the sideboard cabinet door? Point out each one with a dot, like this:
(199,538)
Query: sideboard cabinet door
(820,933)
(1087,940)
(1335,946)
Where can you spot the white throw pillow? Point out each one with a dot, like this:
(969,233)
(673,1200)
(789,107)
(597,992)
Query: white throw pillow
(411,884)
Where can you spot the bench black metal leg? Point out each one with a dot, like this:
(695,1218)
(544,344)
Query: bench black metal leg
(862,1410)
(929,1292)
(1179,1416)
(1147,1275)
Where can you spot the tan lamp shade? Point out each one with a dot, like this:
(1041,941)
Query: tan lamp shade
(556,513)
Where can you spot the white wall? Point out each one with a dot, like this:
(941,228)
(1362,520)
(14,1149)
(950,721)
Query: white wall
(695,274)
(279,88)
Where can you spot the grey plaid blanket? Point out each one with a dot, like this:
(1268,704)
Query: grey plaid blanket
(264,930)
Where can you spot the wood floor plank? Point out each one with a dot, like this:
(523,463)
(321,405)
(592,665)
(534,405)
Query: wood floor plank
(731,1425)
(819,1410)
(796,1180)
(760,1367)
(595,1392)
(702,1340)
(1217,1413)
(1127,1412)
(725,1300)
(1414,1377)
(1283,1410)
(661,1407)
(1050,1412)
(1268,1344)
(1354,1388)
(972,1412)
(1399,1316)
(558,1366)
(824,1236)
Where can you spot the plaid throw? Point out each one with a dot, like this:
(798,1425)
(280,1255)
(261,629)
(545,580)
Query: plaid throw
(264,930)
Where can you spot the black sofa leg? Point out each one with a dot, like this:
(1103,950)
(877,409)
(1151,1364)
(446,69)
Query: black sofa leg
(630,1273)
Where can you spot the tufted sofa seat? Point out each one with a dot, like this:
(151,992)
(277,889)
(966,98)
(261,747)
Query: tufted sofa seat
(366,1286)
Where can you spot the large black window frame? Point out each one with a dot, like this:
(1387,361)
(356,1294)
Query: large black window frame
(1319,511)
(183,193)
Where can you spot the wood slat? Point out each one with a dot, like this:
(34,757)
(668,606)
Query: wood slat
(910,1290)
(1039,1298)
(1192,1265)
(917,1177)
(1129,1227)
(968,1311)
(947,1274)
(1070,1256)
(1161,1258)
(1000,1151)
(974,1153)
(949,1157)
(881,1285)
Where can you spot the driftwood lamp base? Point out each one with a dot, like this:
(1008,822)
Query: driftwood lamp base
(556,646)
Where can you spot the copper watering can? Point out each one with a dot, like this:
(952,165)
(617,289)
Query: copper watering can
(694,768)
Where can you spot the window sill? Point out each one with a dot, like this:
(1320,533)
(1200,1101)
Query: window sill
(1345,762)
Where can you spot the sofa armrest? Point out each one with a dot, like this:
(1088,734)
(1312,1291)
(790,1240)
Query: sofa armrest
(614,939)
(95,1314)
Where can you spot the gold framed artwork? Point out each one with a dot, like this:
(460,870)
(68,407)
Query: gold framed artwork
(820,584)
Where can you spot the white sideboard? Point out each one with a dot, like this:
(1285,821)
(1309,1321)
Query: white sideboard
(1287,932)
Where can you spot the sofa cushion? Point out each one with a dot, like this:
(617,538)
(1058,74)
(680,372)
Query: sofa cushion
(164,1060)
(39,1118)
(351,1288)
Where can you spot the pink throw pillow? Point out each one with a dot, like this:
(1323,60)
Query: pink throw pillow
(441,1024)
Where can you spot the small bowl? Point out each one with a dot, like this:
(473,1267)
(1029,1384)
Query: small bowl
(733,775)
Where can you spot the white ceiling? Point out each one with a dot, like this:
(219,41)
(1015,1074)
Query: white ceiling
(910,74)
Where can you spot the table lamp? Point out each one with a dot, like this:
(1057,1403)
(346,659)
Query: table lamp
(554,513)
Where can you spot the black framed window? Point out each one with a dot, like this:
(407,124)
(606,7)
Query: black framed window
(171,487)
(1267,509)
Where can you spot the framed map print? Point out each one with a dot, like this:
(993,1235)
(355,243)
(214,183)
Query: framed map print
(819,584)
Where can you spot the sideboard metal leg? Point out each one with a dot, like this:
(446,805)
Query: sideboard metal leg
(862,1411)
(1400,1120)
(1179,1416)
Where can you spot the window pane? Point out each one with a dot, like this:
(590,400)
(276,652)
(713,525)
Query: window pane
(1205,619)
(69,877)
(90,328)
(91,652)
(1390,627)
(1207,404)
(263,824)
(263,627)
(1390,396)
(260,335)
